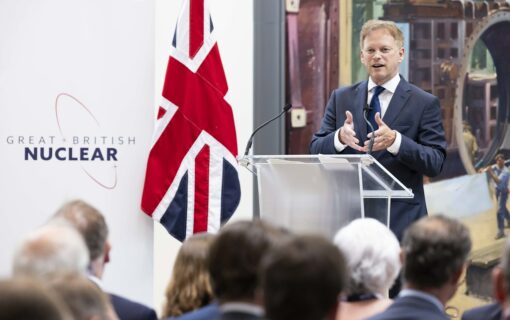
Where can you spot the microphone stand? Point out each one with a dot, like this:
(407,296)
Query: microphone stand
(250,141)
(366,110)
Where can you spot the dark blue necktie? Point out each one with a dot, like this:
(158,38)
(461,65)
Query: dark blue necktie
(375,106)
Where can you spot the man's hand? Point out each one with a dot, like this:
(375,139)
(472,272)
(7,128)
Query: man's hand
(384,136)
(347,135)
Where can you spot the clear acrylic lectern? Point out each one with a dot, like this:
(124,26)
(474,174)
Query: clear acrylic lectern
(322,193)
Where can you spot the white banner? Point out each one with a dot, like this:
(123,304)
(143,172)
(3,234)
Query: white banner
(76,104)
(459,197)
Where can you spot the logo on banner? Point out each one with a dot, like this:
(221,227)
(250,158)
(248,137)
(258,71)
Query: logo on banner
(81,139)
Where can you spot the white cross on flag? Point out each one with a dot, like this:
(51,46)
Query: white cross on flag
(191,182)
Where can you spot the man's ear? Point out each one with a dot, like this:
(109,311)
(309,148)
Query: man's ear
(106,251)
(456,275)
(498,284)
(332,314)
(402,256)
(259,296)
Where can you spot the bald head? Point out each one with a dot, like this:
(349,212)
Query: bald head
(51,249)
(435,248)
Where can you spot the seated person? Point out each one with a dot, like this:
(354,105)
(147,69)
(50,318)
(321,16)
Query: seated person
(372,254)
(190,285)
(82,297)
(28,299)
(302,279)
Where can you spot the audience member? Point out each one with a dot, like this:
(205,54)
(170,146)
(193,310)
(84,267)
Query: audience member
(190,285)
(53,248)
(27,299)
(302,279)
(372,253)
(84,299)
(434,252)
(234,259)
(92,225)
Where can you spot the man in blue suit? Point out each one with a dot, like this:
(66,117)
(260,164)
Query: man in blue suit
(408,133)
(434,254)
(92,226)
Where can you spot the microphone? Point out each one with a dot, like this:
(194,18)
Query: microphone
(250,141)
(366,110)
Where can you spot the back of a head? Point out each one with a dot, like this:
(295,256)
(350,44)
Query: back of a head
(372,253)
(28,300)
(82,297)
(89,222)
(302,279)
(190,285)
(235,256)
(435,248)
(51,249)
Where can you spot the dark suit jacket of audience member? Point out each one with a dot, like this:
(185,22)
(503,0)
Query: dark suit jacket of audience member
(489,312)
(209,312)
(411,308)
(130,310)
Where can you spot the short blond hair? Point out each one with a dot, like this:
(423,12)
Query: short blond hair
(389,26)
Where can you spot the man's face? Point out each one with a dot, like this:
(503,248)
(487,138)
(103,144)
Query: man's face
(500,162)
(381,55)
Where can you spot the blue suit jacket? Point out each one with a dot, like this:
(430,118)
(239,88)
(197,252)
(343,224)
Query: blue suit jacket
(209,312)
(130,310)
(414,113)
(488,312)
(411,308)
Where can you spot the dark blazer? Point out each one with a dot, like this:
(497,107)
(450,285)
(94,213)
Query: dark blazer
(411,308)
(209,312)
(130,310)
(488,312)
(414,113)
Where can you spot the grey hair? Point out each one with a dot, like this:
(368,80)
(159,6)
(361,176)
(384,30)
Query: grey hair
(373,255)
(53,248)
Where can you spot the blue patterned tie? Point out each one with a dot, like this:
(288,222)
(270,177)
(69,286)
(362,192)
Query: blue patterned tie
(375,106)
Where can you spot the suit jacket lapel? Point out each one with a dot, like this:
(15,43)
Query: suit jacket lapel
(398,102)
(360,100)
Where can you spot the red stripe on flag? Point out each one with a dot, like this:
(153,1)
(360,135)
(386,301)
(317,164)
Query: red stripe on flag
(208,110)
(165,158)
(196,26)
(201,190)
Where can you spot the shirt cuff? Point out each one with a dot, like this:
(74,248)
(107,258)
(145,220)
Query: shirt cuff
(395,147)
(338,145)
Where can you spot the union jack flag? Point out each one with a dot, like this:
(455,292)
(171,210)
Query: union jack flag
(192,182)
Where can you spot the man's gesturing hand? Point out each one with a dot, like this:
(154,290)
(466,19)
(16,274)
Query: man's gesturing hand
(347,135)
(384,136)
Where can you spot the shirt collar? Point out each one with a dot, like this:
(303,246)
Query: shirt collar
(96,281)
(242,307)
(390,85)
(422,295)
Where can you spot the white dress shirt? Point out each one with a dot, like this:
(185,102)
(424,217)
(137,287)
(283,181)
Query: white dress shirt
(384,100)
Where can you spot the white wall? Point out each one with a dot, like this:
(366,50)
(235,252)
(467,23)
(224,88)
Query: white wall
(102,53)
(233,22)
